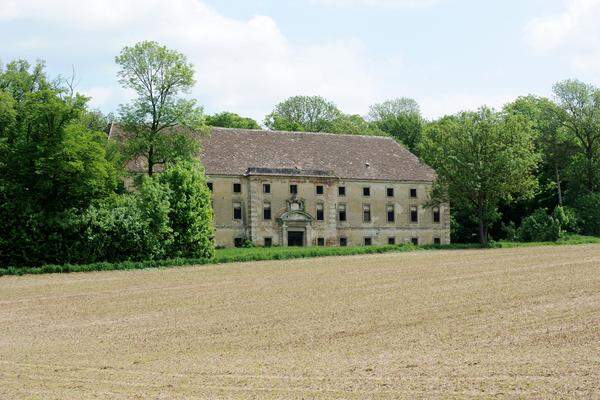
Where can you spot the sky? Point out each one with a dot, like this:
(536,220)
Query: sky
(449,55)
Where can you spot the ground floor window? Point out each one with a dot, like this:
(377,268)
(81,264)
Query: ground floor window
(414,241)
(368,241)
(238,242)
(437,240)
(268,242)
(320,241)
(343,241)
(391,240)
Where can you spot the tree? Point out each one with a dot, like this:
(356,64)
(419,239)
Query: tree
(231,120)
(303,113)
(162,124)
(400,118)
(354,125)
(481,158)
(552,141)
(581,105)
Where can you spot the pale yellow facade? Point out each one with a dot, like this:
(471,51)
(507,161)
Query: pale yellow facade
(382,217)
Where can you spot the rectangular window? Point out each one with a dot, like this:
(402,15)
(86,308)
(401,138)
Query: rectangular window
(293,189)
(320,241)
(320,212)
(341,212)
(390,192)
(319,189)
(366,213)
(266,188)
(391,240)
(267,211)
(415,241)
(237,188)
(343,242)
(368,241)
(413,193)
(238,242)
(391,213)
(366,191)
(341,190)
(210,186)
(437,240)
(268,242)
(414,215)
(436,214)
(237,211)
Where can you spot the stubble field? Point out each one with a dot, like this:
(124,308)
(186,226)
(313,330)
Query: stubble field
(507,323)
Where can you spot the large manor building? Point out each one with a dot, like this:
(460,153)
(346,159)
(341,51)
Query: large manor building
(276,188)
(319,189)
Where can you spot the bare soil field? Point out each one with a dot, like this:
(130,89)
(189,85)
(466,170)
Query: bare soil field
(507,323)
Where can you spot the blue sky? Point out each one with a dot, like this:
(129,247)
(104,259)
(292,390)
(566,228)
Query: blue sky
(449,55)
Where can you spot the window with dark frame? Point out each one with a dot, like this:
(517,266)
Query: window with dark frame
(266,188)
(210,186)
(414,215)
(319,189)
(320,241)
(341,190)
(413,193)
(437,240)
(391,240)
(343,242)
(366,191)
(415,241)
(293,189)
(436,214)
(342,212)
(267,211)
(366,213)
(237,188)
(390,192)
(368,241)
(391,213)
(237,211)
(238,242)
(320,212)
(268,242)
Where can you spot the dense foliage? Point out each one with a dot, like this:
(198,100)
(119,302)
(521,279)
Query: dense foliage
(231,120)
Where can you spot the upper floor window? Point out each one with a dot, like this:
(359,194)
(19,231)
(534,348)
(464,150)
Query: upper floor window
(294,189)
(266,188)
(237,210)
(366,191)
(366,213)
(341,212)
(237,188)
(436,214)
(390,192)
(267,211)
(391,214)
(413,192)
(414,215)
(341,190)
(319,189)
(320,212)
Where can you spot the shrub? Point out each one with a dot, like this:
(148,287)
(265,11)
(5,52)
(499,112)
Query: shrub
(587,210)
(567,218)
(539,227)
(190,211)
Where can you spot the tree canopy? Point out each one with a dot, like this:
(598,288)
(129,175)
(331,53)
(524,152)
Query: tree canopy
(303,113)
(231,120)
(400,118)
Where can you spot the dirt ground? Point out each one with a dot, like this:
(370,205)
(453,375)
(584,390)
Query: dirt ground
(508,323)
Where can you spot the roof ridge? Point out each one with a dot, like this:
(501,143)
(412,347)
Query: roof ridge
(301,132)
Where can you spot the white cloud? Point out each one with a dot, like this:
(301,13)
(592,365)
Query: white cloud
(451,103)
(574,32)
(245,66)
(380,3)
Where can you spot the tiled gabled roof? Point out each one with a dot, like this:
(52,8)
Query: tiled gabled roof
(234,151)
(228,151)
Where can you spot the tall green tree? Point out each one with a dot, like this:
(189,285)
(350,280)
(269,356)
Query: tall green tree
(400,118)
(552,141)
(581,105)
(481,158)
(354,125)
(231,120)
(303,113)
(162,124)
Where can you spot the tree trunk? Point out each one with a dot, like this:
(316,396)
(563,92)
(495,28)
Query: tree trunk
(150,161)
(482,228)
(558,186)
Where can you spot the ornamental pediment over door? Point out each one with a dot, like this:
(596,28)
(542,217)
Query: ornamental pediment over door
(296,216)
